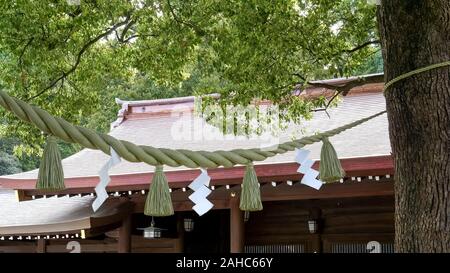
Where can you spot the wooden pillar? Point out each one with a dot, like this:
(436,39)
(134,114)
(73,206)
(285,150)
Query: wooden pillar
(41,246)
(124,245)
(21,196)
(236,226)
(316,243)
(180,231)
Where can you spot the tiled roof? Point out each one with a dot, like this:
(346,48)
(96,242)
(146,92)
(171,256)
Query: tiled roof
(157,126)
(67,209)
(157,123)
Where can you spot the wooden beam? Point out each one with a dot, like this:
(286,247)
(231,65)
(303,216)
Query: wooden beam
(100,247)
(41,246)
(236,227)
(181,205)
(124,245)
(22,196)
(284,192)
(17,248)
(361,166)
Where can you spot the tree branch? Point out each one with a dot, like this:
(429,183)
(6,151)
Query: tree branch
(361,46)
(336,94)
(121,37)
(73,85)
(85,47)
(24,50)
(136,36)
(22,53)
(347,85)
(349,51)
(344,88)
(198,30)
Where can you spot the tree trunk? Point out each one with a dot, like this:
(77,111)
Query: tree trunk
(415,34)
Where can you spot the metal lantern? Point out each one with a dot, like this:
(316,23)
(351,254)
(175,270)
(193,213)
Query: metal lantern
(188,224)
(312,226)
(151,232)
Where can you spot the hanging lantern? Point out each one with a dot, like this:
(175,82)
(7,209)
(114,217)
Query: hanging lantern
(313,226)
(188,224)
(151,232)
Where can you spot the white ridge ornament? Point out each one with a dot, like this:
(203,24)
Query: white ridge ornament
(309,174)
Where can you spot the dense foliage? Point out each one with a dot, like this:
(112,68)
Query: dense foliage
(73,60)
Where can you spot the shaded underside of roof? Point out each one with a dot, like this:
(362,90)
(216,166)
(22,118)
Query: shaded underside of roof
(169,130)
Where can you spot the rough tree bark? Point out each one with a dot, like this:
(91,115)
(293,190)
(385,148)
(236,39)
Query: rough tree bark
(414,34)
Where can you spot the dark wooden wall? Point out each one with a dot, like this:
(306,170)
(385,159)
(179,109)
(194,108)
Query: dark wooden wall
(346,220)
(139,245)
(280,224)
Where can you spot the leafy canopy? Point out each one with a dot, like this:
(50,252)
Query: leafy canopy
(72,60)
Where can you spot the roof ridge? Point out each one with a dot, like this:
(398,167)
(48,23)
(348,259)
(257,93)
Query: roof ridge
(166,101)
(161,101)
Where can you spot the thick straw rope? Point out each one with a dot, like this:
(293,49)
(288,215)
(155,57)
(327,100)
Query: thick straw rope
(414,72)
(151,155)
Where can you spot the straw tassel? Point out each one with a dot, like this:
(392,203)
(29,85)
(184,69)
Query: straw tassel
(330,167)
(159,201)
(51,175)
(251,193)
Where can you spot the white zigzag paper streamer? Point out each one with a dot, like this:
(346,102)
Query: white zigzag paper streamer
(309,174)
(201,191)
(100,189)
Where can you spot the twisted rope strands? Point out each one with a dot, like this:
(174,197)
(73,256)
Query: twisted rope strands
(151,155)
(414,72)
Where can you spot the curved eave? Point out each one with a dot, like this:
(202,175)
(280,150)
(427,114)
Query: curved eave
(110,215)
(358,166)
